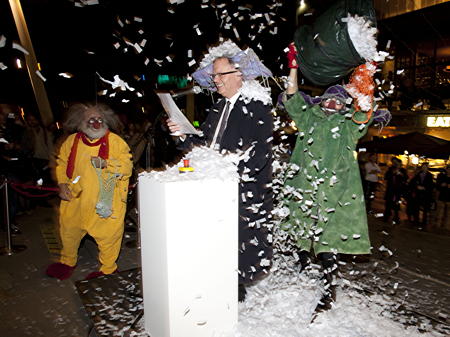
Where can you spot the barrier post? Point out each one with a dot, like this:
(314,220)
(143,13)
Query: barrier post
(136,244)
(138,238)
(9,249)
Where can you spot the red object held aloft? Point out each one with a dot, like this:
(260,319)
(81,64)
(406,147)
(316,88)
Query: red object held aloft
(292,56)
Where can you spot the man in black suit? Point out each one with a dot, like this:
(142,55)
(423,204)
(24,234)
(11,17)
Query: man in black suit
(241,121)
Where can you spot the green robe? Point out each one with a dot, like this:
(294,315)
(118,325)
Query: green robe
(331,217)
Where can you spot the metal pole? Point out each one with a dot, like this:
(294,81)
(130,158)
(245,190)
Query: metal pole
(148,156)
(138,244)
(9,249)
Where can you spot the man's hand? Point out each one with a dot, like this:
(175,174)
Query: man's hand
(64,192)
(98,162)
(174,128)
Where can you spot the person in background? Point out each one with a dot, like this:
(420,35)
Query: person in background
(136,138)
(443,200)
(371,170)
(396,182)
(93,169)
(421,187)
(40,145)
(13,160)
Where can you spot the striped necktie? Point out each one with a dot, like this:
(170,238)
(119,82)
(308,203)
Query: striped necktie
(223,124)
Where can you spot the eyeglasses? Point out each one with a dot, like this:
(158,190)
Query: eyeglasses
(213,76)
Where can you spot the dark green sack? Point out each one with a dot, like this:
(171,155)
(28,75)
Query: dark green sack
(325,50)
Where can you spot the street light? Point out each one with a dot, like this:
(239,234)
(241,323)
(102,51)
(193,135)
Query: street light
(302,7)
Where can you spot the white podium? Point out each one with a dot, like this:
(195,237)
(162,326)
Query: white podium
(189,249)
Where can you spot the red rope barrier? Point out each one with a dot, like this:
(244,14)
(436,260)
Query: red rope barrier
(54,189)
(29,195)
(16,187)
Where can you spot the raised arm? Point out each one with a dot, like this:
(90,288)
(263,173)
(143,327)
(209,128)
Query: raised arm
(293,72)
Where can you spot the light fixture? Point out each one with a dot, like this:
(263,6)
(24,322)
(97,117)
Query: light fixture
(19,63)
(302,7)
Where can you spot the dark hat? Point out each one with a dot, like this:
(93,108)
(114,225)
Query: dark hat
(336,91)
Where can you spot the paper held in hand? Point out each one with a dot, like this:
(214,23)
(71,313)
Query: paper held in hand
(176,115)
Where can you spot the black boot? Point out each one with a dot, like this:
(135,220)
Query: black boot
(329,267)
(242,292)
(304,258)
(329,297)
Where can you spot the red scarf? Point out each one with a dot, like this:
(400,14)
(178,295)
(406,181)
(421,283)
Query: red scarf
(103,152)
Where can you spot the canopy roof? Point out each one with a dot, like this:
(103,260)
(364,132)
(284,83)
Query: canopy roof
(414,142)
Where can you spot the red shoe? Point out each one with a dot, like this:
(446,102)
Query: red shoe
(60,271)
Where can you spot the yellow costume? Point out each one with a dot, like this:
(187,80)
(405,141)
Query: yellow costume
(78,216)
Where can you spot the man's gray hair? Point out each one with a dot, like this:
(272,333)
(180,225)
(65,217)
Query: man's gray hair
(230,61)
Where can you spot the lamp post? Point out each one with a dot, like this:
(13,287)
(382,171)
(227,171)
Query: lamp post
(40,93)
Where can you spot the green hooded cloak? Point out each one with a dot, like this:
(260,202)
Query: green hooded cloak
(331,216)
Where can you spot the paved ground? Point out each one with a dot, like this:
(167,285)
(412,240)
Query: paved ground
(409,264)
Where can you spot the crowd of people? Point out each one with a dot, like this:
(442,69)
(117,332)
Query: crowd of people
(26,149)
(426,197)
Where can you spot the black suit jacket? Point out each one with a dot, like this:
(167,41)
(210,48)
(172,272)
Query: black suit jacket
(250,124)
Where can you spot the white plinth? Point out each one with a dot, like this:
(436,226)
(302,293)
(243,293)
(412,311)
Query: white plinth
(189,249)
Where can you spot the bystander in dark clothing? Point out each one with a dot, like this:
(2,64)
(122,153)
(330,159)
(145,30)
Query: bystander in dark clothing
(13,163)
(396,178)
(40,145)
(421,189)
(443,201)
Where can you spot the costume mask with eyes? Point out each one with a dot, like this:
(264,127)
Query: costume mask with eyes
(94,127)
(334,100)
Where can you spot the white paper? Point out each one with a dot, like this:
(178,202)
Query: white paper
(176,115)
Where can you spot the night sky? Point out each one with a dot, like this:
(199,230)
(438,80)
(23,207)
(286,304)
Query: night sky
(92,39)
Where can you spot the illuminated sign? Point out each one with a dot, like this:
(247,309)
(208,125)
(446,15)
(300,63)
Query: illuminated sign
(178,81)
(438,122)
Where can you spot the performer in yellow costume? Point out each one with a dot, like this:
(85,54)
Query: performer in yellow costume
(93,169)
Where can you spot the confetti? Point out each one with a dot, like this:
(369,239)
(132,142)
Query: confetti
(17,46)
(40,76)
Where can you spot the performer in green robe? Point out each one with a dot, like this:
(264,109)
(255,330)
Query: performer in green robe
(328,215)
(331,217)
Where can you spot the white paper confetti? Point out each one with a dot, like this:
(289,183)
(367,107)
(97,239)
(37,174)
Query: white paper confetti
(40,75)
